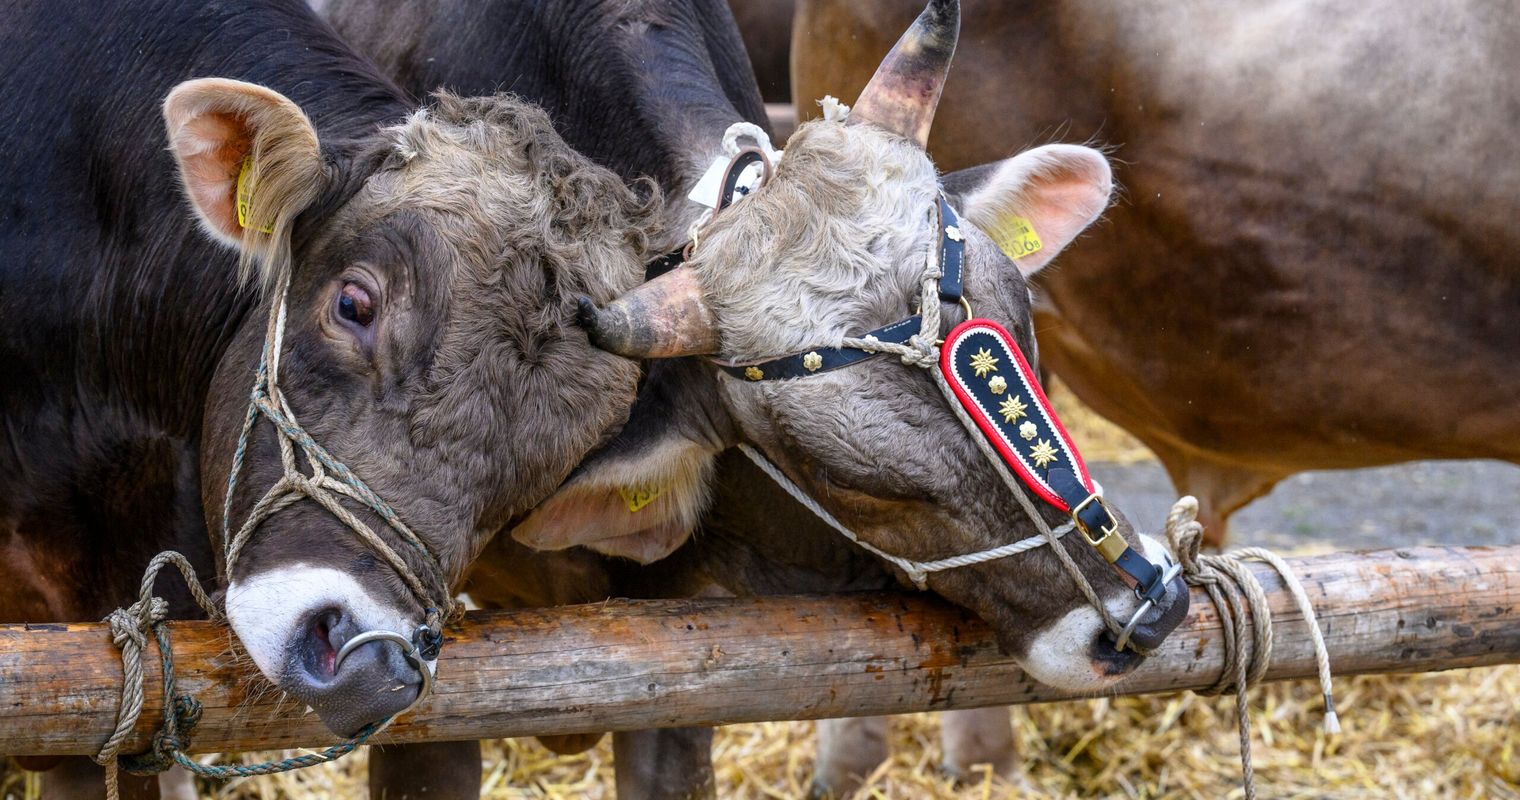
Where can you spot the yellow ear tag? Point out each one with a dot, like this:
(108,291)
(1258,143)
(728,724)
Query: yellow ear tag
(637,497)
(245,195)
(1016,237)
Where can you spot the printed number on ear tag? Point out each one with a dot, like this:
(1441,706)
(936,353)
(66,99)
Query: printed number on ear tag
(637,497)
(245,196)
(1017,238)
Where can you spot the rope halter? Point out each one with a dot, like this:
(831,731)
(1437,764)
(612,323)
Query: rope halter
(329,482)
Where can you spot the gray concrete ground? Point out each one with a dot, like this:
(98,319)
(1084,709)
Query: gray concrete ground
(1422,502)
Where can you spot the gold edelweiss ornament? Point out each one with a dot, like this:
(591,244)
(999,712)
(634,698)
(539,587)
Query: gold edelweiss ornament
(997,384)
(984,362)
(1012,409)
(1043,453)
(812,361)
(753,373)
(1028,430)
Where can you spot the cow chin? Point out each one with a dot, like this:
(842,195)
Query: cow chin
(294,618)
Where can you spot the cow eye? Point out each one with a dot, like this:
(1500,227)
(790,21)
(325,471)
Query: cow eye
(354,305)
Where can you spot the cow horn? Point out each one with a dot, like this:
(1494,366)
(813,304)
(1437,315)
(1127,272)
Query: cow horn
(663,318)
(905,90)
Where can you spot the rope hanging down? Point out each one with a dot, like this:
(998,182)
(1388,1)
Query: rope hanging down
(1242,605)
(329,481)
(130,628)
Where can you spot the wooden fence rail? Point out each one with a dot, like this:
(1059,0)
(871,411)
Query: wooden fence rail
(627,665)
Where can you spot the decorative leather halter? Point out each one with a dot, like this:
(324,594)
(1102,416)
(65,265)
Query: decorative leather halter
(1000,392)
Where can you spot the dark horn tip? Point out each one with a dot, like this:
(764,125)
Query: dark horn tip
(586,312)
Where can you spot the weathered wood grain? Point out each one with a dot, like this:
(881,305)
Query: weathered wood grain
(626,665)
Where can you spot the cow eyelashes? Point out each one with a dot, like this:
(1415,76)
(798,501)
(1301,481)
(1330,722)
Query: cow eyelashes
(355,305)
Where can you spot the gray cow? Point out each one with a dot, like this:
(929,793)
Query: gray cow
(646,89)
(833,246)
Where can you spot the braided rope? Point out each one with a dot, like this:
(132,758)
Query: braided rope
(130,627)
(918,571)
(1242,603)
(329,479)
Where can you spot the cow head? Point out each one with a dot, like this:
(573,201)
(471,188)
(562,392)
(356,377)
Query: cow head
(832,246)
(430,346)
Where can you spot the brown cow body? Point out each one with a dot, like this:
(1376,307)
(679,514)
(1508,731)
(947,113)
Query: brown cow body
(1314,265)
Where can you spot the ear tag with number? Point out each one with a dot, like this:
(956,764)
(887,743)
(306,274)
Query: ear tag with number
(637,497)
(245,195)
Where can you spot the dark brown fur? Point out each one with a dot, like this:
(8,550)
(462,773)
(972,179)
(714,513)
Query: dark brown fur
(1312,278)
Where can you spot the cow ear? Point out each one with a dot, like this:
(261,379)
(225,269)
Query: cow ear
(1034,204)
(641,495)
(248,158)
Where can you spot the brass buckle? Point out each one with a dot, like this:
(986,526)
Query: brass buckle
(1110,544)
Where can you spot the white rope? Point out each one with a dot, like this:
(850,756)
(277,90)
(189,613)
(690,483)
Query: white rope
(753,131)
(918,571)
(1306,610)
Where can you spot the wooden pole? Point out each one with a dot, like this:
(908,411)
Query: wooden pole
(628,665)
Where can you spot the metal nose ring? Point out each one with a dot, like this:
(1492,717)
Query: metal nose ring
(408,649)
(1134,621)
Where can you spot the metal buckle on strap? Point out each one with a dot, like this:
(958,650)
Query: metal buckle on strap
(1108,541)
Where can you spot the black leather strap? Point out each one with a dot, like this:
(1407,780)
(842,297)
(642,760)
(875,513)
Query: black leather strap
(822,359)
(952,252)
(659,265)
(1147,576)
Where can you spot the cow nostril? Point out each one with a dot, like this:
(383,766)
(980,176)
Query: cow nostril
(323,640)
(1111,660)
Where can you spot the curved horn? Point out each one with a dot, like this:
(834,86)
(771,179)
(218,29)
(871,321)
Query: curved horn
(663,318)
(904,92)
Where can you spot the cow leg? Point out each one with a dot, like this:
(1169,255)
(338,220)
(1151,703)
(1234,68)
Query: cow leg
(79,778)
(1221,488)
(849,750)
(670,764)
(569,744)
(177,784)
(979,736)
(433,770)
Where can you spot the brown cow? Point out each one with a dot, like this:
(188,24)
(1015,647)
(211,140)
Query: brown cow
(1315,264)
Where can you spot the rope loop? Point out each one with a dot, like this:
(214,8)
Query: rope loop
(1243,608)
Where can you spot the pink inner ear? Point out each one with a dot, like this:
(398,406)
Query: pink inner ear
(599,518)
(1037,202)
(211,148)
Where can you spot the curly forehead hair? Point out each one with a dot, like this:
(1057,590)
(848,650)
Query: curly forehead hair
(540,195)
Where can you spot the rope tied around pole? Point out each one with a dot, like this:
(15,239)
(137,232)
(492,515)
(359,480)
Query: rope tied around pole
(130,628)
(329,481)
(1246,619)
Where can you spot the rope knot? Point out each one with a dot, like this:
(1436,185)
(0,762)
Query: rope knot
(921,351)
(169,740)
(1184,534)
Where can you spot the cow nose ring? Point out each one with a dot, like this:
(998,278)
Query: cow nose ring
(1134,621)
(408,650)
